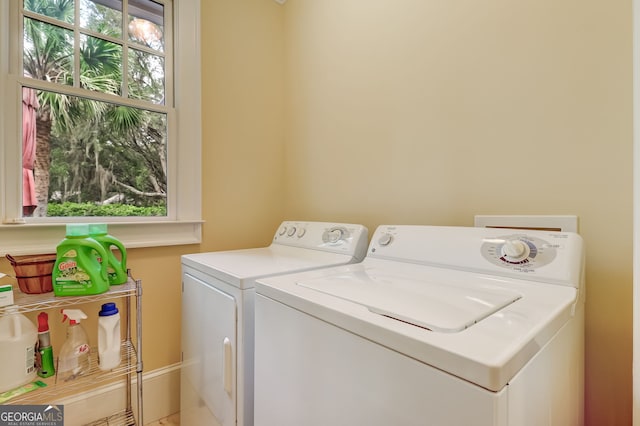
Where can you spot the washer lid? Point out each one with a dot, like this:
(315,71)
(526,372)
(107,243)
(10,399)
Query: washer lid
(489,353)
(432,305)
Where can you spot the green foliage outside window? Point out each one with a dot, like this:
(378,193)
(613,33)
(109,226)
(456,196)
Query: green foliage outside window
(96,158)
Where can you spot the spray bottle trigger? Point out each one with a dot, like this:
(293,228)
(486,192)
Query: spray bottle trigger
(74,315)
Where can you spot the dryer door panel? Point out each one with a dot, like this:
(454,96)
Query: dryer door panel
(209,353)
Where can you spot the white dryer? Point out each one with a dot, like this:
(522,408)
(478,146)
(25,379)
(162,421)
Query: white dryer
(217,313)
(437,326)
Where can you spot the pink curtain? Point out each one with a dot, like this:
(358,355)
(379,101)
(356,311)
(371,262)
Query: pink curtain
(29,106)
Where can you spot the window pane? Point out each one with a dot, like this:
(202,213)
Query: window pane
(103,17)
(146,23)
(63,10)
(48,52)
(94,158)
(146,76)
(100,65)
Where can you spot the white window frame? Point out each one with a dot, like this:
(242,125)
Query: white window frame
(183,223)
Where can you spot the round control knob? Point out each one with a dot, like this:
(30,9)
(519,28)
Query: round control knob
(515,249)
(335,235)
(301,232)
(292,231)
(282,230)
(385,239)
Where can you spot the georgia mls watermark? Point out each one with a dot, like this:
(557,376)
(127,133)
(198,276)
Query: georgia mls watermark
(31,415)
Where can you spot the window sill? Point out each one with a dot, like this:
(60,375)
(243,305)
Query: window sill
(26,239)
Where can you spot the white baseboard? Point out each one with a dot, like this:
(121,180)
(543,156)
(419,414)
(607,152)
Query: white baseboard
(161,398)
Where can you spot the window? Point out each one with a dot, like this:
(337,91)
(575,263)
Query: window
(95,136)
(91,87)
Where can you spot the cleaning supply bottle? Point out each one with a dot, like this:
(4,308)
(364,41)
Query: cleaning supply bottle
(18,338)
(45,351)
(77,271)
(116,268)
(108,337)
(74,360)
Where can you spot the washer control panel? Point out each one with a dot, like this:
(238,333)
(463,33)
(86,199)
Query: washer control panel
(518,251)
(536,255)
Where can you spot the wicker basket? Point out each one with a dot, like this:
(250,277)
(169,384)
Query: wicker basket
(33,272)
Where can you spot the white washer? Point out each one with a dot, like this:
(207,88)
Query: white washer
(217,313)
(437,326)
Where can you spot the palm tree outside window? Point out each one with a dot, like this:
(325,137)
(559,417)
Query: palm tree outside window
(96,106)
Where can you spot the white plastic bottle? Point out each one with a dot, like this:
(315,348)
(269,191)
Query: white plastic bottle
(74,359)
(18,337)
(108,337)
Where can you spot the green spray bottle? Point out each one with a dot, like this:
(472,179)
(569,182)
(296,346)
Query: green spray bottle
(116,268)
(45,351)
(77,271)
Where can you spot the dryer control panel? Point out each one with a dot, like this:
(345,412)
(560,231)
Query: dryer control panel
(518,251)
(344,238)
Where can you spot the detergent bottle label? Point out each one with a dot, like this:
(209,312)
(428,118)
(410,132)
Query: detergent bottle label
(68,270)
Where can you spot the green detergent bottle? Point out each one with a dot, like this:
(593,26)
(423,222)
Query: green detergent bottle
(77,271)
(116,268)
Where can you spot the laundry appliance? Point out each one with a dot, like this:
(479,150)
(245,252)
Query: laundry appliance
(437,326)
(217,313)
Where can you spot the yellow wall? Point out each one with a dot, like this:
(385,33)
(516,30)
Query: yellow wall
(431,111)
(242,110)
(420,112)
